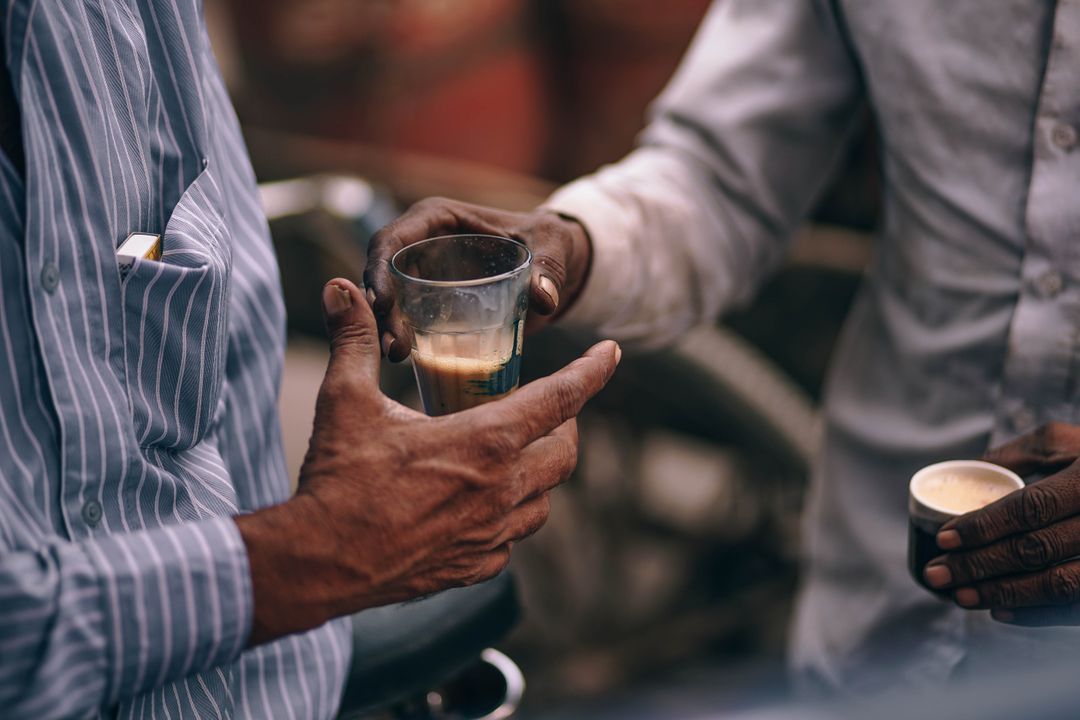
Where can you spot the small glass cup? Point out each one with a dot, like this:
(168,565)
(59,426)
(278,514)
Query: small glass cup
(464,299)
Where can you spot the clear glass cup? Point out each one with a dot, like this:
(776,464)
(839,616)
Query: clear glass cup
(464,299)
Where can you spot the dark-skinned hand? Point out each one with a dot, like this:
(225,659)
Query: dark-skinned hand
(393,504)
(1018,556)
(560,248)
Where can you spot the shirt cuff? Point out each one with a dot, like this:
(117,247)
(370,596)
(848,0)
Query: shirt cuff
(606,289)
(176,600)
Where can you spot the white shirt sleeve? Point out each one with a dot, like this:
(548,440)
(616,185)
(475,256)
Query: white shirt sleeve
(739,147)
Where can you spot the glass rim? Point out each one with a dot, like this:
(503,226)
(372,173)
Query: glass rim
(524,265)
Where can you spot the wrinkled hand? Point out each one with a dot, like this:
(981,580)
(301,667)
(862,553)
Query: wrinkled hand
(393,504)
(1015,556)
(560,248)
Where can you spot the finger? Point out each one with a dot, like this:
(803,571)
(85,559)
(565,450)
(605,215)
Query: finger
(1047,449)
(548,462)
(417,223)
(491,564)
(541,406)
(526,519)
(1031,508)
(1017,554)
(354,344)
(428,218)
(1039,616)
(550,247)
(396,336)
(1059,585)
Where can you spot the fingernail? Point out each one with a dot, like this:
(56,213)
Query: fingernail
(948,539)
(937,575)
(336,299)
(1002,615)
(387,344)
(547,286)
(967,597)
(618,354)
(370,297)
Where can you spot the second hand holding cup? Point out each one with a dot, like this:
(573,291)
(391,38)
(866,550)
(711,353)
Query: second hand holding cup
(464,299)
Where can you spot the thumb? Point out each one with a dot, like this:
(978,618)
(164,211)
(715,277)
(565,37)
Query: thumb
(354,338)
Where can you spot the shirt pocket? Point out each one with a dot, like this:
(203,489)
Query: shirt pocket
(176,323)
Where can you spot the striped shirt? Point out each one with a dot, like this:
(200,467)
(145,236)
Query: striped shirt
(137,411)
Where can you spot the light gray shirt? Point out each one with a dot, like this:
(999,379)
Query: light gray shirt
(966,328)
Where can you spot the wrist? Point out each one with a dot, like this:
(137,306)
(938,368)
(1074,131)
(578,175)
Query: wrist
(293,577)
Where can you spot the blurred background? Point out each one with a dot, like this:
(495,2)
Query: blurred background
(665,578)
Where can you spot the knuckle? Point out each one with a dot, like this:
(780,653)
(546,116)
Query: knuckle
(980,526)
(359,336)
(1063,584)
(506,499)
(971,566)
(1044,437)
(552,265)
(496,444)
(1036,551)
(429,202)
(1039,505)
(379,239)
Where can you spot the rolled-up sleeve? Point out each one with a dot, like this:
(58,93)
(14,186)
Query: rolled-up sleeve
(86,624)
(740,145)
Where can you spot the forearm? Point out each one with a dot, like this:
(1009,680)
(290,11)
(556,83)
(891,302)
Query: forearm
(665,255)
(84,625)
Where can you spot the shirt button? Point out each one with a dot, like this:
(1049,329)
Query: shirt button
(91,513)
(205,163)
(1064,136)
(50,277)
(1050,284)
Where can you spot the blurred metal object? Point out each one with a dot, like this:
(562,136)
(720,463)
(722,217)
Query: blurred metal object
(348,198)
(491,689)
(411,176)
(746,383)
(430,658)
(696,487)
(321,225)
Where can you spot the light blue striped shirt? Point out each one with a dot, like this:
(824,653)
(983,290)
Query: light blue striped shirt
(137,413)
